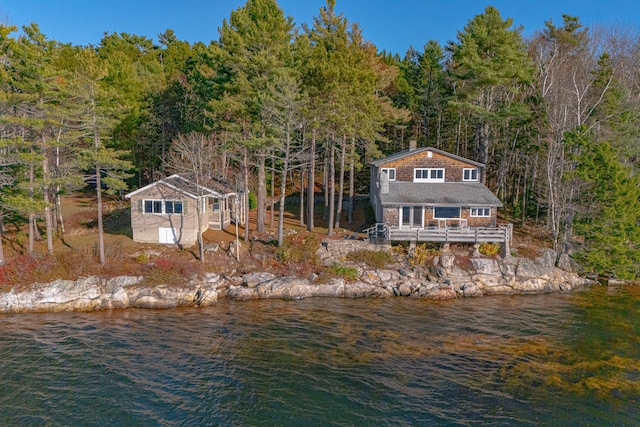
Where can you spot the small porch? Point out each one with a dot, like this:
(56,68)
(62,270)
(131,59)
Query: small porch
(224,210)
(445,231)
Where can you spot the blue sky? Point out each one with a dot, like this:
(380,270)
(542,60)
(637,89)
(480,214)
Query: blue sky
(392,25)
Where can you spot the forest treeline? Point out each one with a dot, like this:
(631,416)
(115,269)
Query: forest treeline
(274,109)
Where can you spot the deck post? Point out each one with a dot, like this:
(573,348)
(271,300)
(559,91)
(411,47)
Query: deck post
(505,250)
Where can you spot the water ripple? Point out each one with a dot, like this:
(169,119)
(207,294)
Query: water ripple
(312,362)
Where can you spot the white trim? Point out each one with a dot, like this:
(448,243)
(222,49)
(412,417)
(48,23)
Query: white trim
(480,212)
(470,170)
(163,206)
(448,207)
(412,210)
(388,173)
(208,192)
(430,175)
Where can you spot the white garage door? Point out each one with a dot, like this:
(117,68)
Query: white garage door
(167,235)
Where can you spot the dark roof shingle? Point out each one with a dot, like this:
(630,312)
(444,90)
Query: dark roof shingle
(439,194)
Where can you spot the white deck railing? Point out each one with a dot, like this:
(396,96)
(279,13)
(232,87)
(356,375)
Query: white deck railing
(502,233)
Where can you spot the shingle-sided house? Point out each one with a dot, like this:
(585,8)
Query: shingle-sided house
(165,211)
(426,194)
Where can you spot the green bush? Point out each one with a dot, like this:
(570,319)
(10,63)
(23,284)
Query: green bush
(253,201)
(348,273)
(374,259)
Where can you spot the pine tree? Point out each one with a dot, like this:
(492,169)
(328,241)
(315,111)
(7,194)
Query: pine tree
(95,113)
(609,212)
(490,63)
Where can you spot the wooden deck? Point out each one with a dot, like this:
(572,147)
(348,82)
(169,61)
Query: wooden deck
(500,234)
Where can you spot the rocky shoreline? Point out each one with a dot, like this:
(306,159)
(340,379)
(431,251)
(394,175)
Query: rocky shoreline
(443,279)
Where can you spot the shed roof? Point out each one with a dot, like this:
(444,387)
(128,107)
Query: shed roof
(439,194)
(406,153)
(188,187)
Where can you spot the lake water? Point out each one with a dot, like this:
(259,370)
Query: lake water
(558,359)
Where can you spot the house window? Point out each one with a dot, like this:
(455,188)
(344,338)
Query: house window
(153,206)
(173,207)
(470,174)
(446,212)
(391,173)
(480,212)
(162,206)
(428,175)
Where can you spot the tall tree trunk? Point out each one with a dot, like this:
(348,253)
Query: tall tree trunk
(325,181)
(283,187)
(47,207)
(482,148)
(100,225)
(245,170)
(343,154)
(1,234)
(301,196)
(352,176)
(311,183)
(32,217)
(262,193)
(199,208)
(273,190)
(332,188)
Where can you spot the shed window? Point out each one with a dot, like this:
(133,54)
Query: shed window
(153,206)
(163,206)
(470,174)
(173,207)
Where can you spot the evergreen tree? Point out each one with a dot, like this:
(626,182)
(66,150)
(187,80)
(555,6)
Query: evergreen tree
(490,63)
(255,45)
(609,214)
(96,110)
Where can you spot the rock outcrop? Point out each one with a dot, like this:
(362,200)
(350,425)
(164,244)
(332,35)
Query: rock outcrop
(449,276)
(93,293)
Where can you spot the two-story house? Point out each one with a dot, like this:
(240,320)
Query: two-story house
(426,194)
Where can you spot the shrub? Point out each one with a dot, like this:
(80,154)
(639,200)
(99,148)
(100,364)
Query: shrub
(299,247)
(348,273)
(253,201)
(170,271)
(375,259)
(489,249)
(26,269)
(424,253)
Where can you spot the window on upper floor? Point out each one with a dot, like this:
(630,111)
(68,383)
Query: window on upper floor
(391,173)
(480,212)
(428,175)
(470,174)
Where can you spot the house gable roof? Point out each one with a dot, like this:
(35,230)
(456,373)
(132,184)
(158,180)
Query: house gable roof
(184,186)
(407,153)
(439,194)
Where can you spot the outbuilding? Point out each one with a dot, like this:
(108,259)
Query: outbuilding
(166,211)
